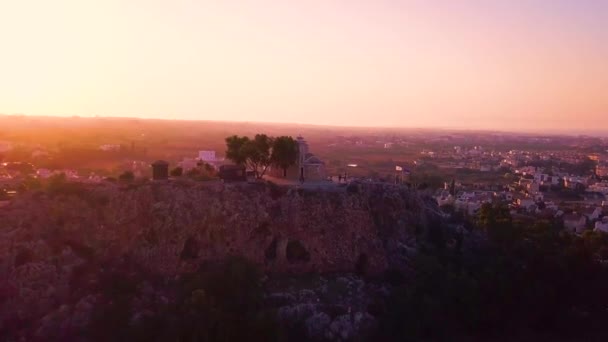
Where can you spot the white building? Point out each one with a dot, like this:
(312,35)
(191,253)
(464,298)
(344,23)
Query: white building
(207,156)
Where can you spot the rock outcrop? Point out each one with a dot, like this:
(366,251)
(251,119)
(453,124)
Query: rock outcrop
(49,242)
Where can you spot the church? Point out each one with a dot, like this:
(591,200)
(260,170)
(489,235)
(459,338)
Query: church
(307,167)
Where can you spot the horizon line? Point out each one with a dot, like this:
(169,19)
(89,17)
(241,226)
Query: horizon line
(550,132)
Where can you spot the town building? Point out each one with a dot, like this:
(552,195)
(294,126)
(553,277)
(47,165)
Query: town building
(210,157)
(471,201)
(599,187)
(526,203)
(574,182)
(533,187)
(207,156)
(541,177)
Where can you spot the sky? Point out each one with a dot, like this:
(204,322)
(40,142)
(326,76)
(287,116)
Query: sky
(533,65)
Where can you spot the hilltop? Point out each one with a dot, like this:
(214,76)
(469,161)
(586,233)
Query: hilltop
(56,246)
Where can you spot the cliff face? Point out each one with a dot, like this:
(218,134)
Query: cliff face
(169,228)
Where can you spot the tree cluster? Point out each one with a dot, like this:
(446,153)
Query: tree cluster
(261,152)
(504,279)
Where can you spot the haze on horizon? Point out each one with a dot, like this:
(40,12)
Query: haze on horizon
(506,65)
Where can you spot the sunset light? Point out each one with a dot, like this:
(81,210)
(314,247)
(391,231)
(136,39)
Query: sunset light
(304,171)
(467,64)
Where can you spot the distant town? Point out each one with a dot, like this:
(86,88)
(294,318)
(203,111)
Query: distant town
(561,178)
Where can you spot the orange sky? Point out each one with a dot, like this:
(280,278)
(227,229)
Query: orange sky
(512,65)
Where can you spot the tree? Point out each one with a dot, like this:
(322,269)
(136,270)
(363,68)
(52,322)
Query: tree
(258,152)
(284,153)
(235,149)
(496,220)
(254,153)
(491,214)
(177,172)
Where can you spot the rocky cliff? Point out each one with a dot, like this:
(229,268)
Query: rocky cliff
(49,239)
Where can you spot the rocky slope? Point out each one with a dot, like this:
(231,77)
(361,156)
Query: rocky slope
(50,240)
